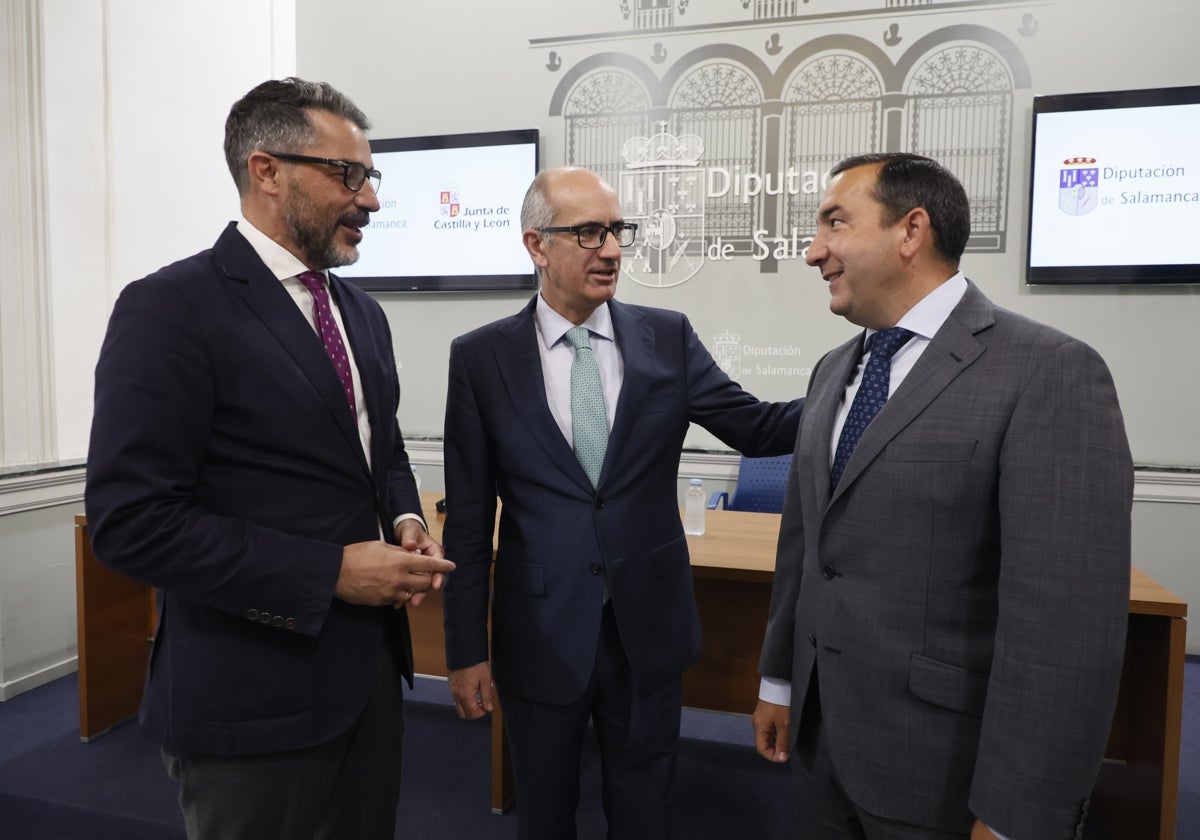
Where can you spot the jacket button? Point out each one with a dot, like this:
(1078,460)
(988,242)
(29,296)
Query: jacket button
(264,618)
(290,624)
(595,568)
(277,621)
(828,572)
(599,503)
(252,614)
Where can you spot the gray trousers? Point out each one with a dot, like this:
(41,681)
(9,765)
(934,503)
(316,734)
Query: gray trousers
(825,811)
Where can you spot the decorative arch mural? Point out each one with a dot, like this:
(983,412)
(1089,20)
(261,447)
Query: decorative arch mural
(958,109)
(759,137)
(602,110)
(832,102)
(721,103)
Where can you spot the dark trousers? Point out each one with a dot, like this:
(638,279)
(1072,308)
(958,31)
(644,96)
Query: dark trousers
(346,788)
(637,731)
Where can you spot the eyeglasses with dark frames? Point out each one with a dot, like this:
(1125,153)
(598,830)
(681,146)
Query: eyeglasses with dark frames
(593,234)
(354,174)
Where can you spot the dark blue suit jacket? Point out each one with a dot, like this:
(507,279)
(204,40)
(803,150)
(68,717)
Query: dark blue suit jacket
(225,469)
(559,538)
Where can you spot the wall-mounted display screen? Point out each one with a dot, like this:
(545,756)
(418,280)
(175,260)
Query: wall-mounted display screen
(1115,187)
(450,215)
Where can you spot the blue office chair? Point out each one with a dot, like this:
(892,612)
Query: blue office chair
(760,485)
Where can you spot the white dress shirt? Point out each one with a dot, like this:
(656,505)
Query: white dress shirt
(557,356)
(923,320)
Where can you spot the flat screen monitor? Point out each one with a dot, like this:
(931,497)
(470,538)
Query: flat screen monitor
(450,214)
(1115,188)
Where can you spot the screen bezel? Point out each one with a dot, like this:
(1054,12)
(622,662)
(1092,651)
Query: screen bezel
(455,282)
(1100,275)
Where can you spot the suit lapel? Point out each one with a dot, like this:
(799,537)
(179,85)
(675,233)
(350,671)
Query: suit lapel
(358,334)
(951,351)
(821,406)
(270,301)
(520,366)
(635,342)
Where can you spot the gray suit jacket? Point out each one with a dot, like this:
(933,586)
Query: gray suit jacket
(963,594)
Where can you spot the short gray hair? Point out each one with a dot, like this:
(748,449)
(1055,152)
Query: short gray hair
(274,116)
(536,209)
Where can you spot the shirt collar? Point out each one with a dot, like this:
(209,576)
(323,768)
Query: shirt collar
(931,311)
(279,260)
(552,327)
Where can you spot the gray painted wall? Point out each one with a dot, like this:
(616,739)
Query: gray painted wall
(37,597)
(432,72)
(516,64)
(472,66)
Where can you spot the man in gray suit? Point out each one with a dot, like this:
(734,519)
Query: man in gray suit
(948,616)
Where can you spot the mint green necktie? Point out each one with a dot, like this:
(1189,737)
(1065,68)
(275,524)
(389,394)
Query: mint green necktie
(589,417)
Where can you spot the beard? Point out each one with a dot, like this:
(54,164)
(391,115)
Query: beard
(315,232)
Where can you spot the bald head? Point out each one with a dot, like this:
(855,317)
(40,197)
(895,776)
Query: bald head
(574,279)
(550,187)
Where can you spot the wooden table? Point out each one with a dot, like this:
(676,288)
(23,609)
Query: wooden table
(733,565)
(115,619)
(1138,790)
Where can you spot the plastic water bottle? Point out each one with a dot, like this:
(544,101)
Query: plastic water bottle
(417,478)
(693,509)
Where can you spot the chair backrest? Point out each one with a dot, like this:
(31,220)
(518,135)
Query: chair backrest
(760,484)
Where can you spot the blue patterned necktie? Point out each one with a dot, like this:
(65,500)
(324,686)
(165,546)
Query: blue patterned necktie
(872,394)
(589,417)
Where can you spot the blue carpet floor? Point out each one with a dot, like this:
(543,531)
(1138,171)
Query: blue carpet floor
(54,787)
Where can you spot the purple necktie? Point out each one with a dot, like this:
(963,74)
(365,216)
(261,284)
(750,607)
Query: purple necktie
(331,336)
(872,394)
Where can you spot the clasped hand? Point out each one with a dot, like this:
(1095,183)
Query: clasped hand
(378,574)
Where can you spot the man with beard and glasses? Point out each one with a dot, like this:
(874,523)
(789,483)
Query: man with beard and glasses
(246,461)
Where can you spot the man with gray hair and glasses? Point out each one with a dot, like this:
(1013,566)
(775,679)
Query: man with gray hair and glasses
(573,412)
(246,461)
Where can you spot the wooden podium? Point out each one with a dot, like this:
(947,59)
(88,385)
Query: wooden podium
(733,565)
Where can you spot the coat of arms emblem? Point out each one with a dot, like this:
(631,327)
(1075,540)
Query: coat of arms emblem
(663,191)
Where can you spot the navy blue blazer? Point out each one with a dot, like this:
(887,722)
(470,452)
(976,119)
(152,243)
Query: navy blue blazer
(560,539)
(225,469)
